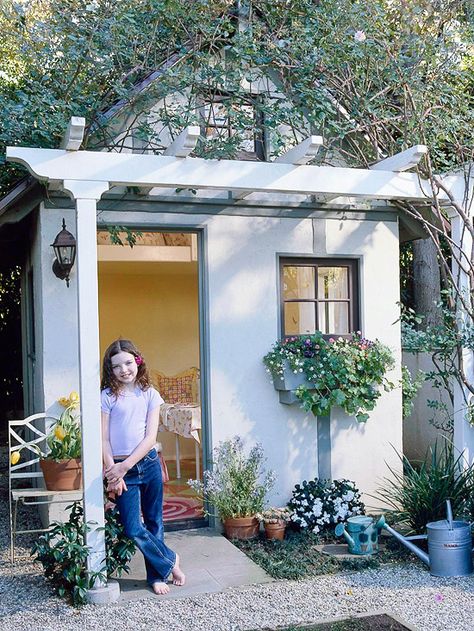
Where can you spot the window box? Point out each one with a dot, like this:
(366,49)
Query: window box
(287,383)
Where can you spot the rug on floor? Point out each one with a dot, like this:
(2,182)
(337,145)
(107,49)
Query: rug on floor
(181,508)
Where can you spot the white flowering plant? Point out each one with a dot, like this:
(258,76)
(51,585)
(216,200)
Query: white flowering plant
(318,505)
(238,483)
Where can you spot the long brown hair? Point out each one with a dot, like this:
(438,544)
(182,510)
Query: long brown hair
(108,379)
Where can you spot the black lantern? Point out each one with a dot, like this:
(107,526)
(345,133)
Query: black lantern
(65,250)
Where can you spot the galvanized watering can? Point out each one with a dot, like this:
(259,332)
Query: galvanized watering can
(362,534)
(449,545)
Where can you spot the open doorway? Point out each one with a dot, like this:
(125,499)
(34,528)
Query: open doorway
(150,294)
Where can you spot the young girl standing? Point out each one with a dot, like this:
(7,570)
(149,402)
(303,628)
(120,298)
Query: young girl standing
(130,416)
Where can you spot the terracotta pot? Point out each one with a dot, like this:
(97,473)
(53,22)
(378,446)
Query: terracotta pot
(276,531)
(65,475)
(241,527)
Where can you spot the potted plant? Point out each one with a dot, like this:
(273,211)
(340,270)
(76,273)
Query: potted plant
(236,487)
(61,465)
(344,372)
(274,521)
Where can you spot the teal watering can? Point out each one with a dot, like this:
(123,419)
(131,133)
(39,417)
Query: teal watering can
(361,533)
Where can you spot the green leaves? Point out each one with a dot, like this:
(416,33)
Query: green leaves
(63,553)
(418,495)
(345,372)
(238,483)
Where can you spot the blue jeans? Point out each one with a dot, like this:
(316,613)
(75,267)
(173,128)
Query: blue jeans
(145,495)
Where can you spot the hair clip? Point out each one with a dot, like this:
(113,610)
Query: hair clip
(138,360)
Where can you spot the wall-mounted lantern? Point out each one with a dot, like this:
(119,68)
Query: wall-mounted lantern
(64,247)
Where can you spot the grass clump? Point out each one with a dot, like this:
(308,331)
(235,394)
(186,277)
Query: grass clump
(418,494)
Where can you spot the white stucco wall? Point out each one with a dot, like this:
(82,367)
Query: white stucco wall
(56,317)
(243,323)
(243,311)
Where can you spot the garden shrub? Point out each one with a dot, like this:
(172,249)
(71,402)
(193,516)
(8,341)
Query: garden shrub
(319,505)
(62,551)
(418,494)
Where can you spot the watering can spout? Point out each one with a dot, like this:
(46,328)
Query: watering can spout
(340,530)
(406,542)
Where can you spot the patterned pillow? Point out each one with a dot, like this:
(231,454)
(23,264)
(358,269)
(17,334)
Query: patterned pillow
(175,389)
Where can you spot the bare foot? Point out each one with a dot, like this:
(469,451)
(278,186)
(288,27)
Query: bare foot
(160,588)
(178,575)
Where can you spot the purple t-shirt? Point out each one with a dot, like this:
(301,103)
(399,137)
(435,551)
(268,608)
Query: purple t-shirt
(128,413)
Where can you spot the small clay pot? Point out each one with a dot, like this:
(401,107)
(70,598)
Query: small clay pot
(276,531)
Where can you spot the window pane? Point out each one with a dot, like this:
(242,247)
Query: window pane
(333,283)
(333,318)
(299,318)
(298,282)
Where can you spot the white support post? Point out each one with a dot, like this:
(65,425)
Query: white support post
(463,431)
(86,195)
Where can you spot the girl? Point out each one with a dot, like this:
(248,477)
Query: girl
(130,415)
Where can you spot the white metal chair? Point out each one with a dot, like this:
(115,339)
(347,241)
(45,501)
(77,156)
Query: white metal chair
(26,436)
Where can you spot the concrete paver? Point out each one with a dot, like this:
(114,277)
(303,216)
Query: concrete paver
(211,563)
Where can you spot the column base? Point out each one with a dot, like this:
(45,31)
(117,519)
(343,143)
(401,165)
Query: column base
(104,595)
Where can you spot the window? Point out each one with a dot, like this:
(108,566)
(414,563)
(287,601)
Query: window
(240,122)
(319,295)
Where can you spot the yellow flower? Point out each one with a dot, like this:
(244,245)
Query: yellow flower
(60,432)
(15,457)
(73,399)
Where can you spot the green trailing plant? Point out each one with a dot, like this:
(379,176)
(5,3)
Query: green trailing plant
(343,372)
(62,551)
(238,483)
(410,387)
(417,494)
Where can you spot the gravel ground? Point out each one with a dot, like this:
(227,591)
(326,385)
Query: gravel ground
(431,604)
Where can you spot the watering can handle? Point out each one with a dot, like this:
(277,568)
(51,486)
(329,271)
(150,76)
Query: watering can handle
(449,514)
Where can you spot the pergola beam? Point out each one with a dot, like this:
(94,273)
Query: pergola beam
(124,169)
(402,161)
(184,143)
(399,162)
(303,152)
(181,147)
(74,134)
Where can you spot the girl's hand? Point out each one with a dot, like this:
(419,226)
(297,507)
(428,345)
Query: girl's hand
(118,488)
(115,472)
